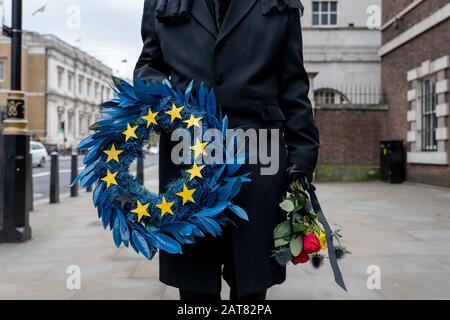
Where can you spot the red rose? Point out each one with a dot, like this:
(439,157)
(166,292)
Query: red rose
(303,257)
(311,244)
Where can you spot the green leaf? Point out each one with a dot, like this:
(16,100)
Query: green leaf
(296,246)
(312,215)
(300,199)
(281,242)
(282,230)
(287,205)
(299,227)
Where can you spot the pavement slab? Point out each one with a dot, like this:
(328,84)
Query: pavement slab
(402,230)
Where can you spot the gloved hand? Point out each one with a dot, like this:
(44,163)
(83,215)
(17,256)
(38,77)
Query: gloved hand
(298,173)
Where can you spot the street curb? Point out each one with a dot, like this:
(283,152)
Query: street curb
(62,196)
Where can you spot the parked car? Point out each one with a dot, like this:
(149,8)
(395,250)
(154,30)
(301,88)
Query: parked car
(38,153)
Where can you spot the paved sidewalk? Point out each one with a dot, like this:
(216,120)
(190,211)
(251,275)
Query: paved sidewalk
(402,229)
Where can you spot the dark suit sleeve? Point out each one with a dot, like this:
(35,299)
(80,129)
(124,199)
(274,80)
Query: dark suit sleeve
(150,65)
(300,132)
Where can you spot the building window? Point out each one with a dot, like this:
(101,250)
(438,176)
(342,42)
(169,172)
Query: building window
(96,90)
(70,77)
(71,123)
(428,93)
(81,124)
(329,96)
(80,84)
(324,13)
(2,71)
(60,77)
(428,101)
(88,87)
(61,122)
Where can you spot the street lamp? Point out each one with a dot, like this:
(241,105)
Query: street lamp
(14,212)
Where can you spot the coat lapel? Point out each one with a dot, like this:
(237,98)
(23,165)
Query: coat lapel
(201,13)
(237,11)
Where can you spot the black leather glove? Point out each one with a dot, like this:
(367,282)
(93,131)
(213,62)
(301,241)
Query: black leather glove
(298,173)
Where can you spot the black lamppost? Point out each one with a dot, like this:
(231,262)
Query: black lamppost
(14,211)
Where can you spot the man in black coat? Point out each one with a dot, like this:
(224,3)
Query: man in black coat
(250,51)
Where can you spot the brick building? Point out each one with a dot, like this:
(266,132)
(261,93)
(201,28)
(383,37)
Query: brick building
(415,56)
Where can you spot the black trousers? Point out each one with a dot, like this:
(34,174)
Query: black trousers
(227,259)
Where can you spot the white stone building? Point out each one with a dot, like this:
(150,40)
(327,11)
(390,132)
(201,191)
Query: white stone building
(341,52)
(76,85)
(64,87)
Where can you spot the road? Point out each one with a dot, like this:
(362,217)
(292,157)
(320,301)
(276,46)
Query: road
(41,176)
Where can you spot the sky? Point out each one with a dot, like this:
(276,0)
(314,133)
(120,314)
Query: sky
(107,29)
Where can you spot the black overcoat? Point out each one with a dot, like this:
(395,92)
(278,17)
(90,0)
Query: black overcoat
(255,64)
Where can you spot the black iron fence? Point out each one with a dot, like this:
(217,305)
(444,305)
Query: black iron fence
(349,95)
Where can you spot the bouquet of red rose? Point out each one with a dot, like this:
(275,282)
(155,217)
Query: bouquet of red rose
(301,237)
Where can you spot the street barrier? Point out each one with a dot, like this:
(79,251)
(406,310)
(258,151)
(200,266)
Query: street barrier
(30,183)
(54,178)
(73,175)
(57,169)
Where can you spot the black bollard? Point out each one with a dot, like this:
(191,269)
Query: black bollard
(30,183)
(54,178)
(2,173)
(140,170)
(14,214)
(14,211)
(73,175)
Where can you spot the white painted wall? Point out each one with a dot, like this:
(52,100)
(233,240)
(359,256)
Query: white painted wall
(343,56)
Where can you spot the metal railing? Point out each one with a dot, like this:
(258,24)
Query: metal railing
(349,95)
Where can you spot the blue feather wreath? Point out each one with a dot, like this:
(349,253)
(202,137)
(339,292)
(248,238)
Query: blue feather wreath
(213,195)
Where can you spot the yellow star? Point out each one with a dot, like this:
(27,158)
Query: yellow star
(175,113)
(130,132)
(110,179)
(113,154)
(199,148)
(141,211)
(193,121)
(195,172)
(166,207)
(186,194)
(150,117)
